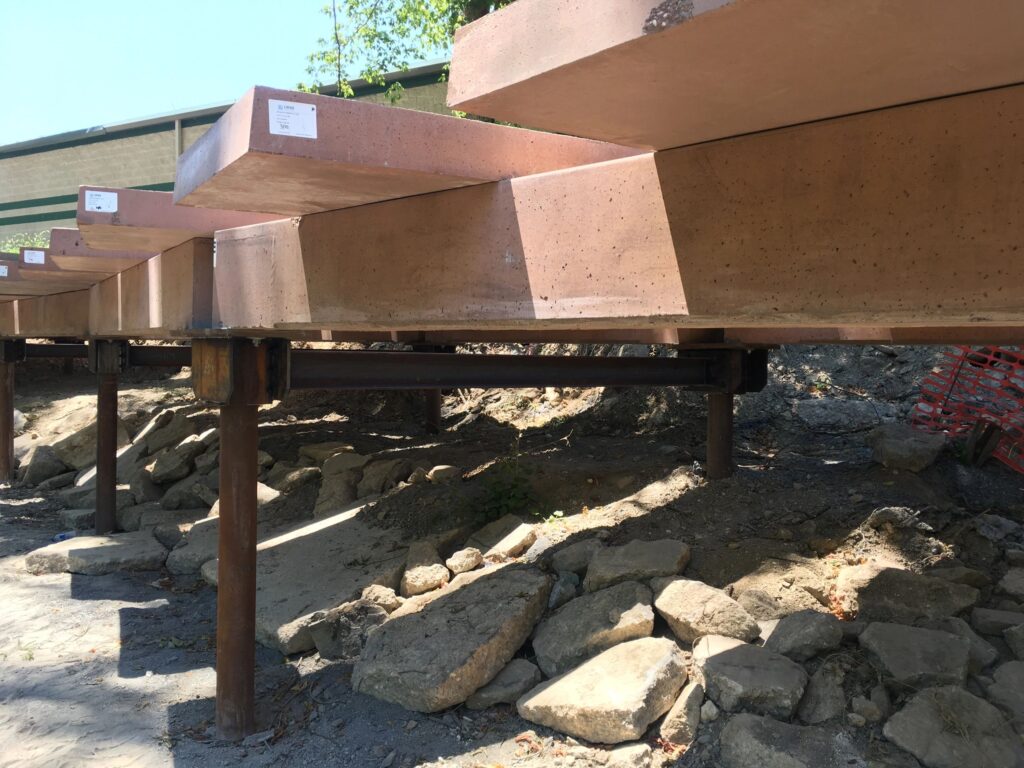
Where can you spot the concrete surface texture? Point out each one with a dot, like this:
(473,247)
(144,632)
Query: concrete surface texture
(665,73)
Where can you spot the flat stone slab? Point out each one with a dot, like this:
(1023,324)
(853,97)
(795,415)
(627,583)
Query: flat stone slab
(330,154)
(593,623)
(94,555)
(803,635)
(512,682)
(737,675)
(750,741)
(534,64)
(314,567)
(613,697)
(636,561)
(147,221)
(435,653)
(877,592)
(694,609)
(917,657)
(947,727)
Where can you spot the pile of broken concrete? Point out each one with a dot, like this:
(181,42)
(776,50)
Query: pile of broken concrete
(615,645)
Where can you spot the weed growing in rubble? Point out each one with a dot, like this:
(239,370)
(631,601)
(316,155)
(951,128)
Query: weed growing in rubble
(507,488)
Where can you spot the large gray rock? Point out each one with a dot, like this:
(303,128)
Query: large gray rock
(803,635)
(824,698)
(434,654)
(506,537)
(877,592)
(694,609)
(982,654)
(321,452)
(1013,583)
(511,683)
(129,459)
(1007,691)
(341,632)
(1014,637)
(40,464)
(94,555)
(900,446)
(424,570)
(165,430)
(636,561)
(682,721)
(575,558)
(592,623)
(832,415)
(186,493)
(749,741)
(176,463)
(286,477)
(737,675)
(613,697)
(990,621)
(339,477)
(78,450)
(309,568)
(947,727)
(382,475)
(917,657)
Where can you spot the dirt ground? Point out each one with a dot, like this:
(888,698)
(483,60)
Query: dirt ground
(117,670)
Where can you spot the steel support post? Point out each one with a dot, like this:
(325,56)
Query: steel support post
(236,584)
(719,445)
(107,359)
(6,422)
(238,375)
(433,400)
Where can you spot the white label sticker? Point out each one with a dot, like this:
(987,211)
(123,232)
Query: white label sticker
(3,270)
(35,257)
(103,202)
(292,118)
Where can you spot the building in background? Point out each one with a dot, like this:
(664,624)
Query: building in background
(39,179)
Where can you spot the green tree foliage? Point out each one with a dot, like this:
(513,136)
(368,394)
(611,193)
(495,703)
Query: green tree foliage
(11,243)
(375,37)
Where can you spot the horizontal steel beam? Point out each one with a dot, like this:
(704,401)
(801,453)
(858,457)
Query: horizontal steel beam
(710,371)
(170,357)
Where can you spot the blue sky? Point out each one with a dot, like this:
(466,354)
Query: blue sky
(68,64)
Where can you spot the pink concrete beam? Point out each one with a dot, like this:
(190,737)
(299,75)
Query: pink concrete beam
(147,222)
(663,73)
(902,217)
(59,315)
(298,153)
(68,250)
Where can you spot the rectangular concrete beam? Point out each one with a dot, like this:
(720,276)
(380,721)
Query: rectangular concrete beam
(336,153)
(69,251)
(148,222)
(901,217)
(666,73)
(168,296)
(56,316)
(40,279)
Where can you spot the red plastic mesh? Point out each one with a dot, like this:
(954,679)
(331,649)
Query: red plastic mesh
(972,385)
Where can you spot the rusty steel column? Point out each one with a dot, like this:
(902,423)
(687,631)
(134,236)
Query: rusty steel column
(433,403)
(719,442)
(107,359)
(6,422)
(236,583)
(106,453)
(237,375)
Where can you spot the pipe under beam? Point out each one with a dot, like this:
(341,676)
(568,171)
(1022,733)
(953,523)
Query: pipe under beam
(6,422)
(106,453)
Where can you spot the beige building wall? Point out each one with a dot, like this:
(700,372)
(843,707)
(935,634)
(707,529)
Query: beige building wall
(39,186)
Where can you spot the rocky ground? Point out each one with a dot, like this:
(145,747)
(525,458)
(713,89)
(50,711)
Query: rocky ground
(551,581)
